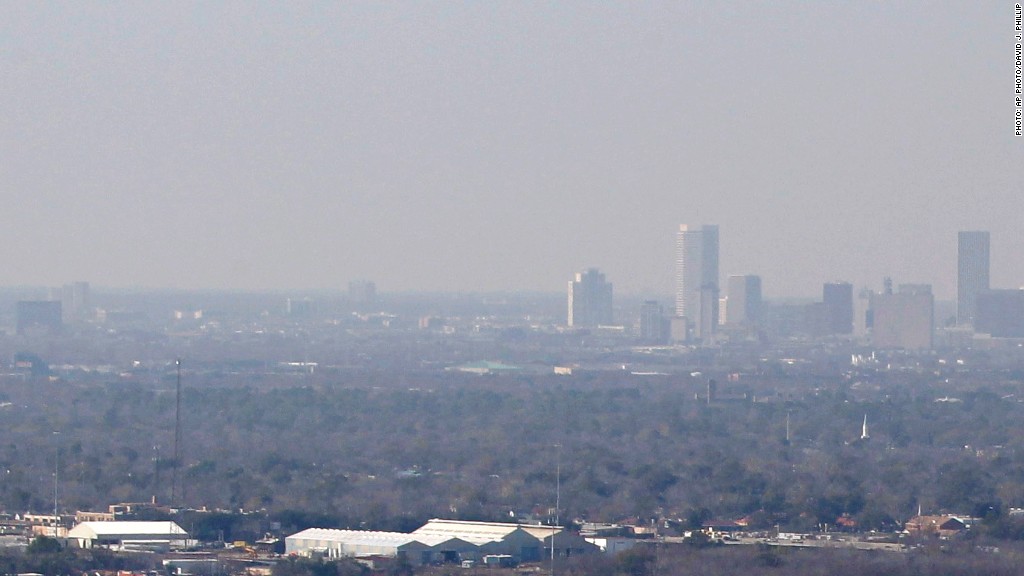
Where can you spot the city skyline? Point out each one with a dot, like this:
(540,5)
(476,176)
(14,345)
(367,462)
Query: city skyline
(487,147)
(973,270)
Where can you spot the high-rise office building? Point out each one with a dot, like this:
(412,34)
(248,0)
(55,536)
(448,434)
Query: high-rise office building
(362,292)
(75,301)
(744,300)
(905,319)
(697,278)
(838,300)
(654,327)
(707,324)
(590,300)
(38,315)
(1000,313)
(972,273)
(862,312)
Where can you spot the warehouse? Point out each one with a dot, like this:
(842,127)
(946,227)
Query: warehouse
(331,543)
(446,549)
(516,540)
(128,535)
(568,544)
(439,541)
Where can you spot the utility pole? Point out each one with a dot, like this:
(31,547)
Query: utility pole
(558,498)
(177,435)
(156,473)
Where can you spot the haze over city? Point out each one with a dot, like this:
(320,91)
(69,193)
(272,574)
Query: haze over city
(571,288)
(504,146)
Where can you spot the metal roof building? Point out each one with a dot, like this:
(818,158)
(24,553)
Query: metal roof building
(522,541)
(482,531)
(127,534)
(436,541)
(337,543)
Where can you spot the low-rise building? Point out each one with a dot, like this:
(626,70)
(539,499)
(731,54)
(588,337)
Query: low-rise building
(128,534)
(441,541)
(522,541)
(612,545)
(943,526)
(330,543)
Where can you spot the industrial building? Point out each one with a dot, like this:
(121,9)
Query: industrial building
(128,534)
(330,543)
(441,541)
(521,541)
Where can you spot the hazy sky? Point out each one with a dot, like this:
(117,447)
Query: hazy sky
(504,145)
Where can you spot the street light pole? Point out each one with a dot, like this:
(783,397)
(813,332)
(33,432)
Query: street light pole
(56,481)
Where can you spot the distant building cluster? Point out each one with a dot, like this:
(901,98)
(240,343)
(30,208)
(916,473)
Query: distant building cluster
(69,304)
(900,319)
(702,312)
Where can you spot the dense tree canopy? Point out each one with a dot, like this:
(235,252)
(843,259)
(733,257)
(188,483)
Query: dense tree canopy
(387,451)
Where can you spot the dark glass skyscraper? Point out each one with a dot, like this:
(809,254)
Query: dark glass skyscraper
(972,273)
(838,300)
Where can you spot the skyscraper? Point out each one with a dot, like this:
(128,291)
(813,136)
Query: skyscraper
(697,277)
(905,319)
(744,301)
(707,324)
(1000,313)
(362,291)
(41,315)
(838,300)
(590,300)
(653,324)
(972,273)
(75,301)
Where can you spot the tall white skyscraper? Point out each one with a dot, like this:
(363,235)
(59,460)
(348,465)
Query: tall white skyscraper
(697,277)
(972,273)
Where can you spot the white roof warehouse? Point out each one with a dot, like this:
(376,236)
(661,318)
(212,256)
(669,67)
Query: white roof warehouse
(126,534)
(436,541)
